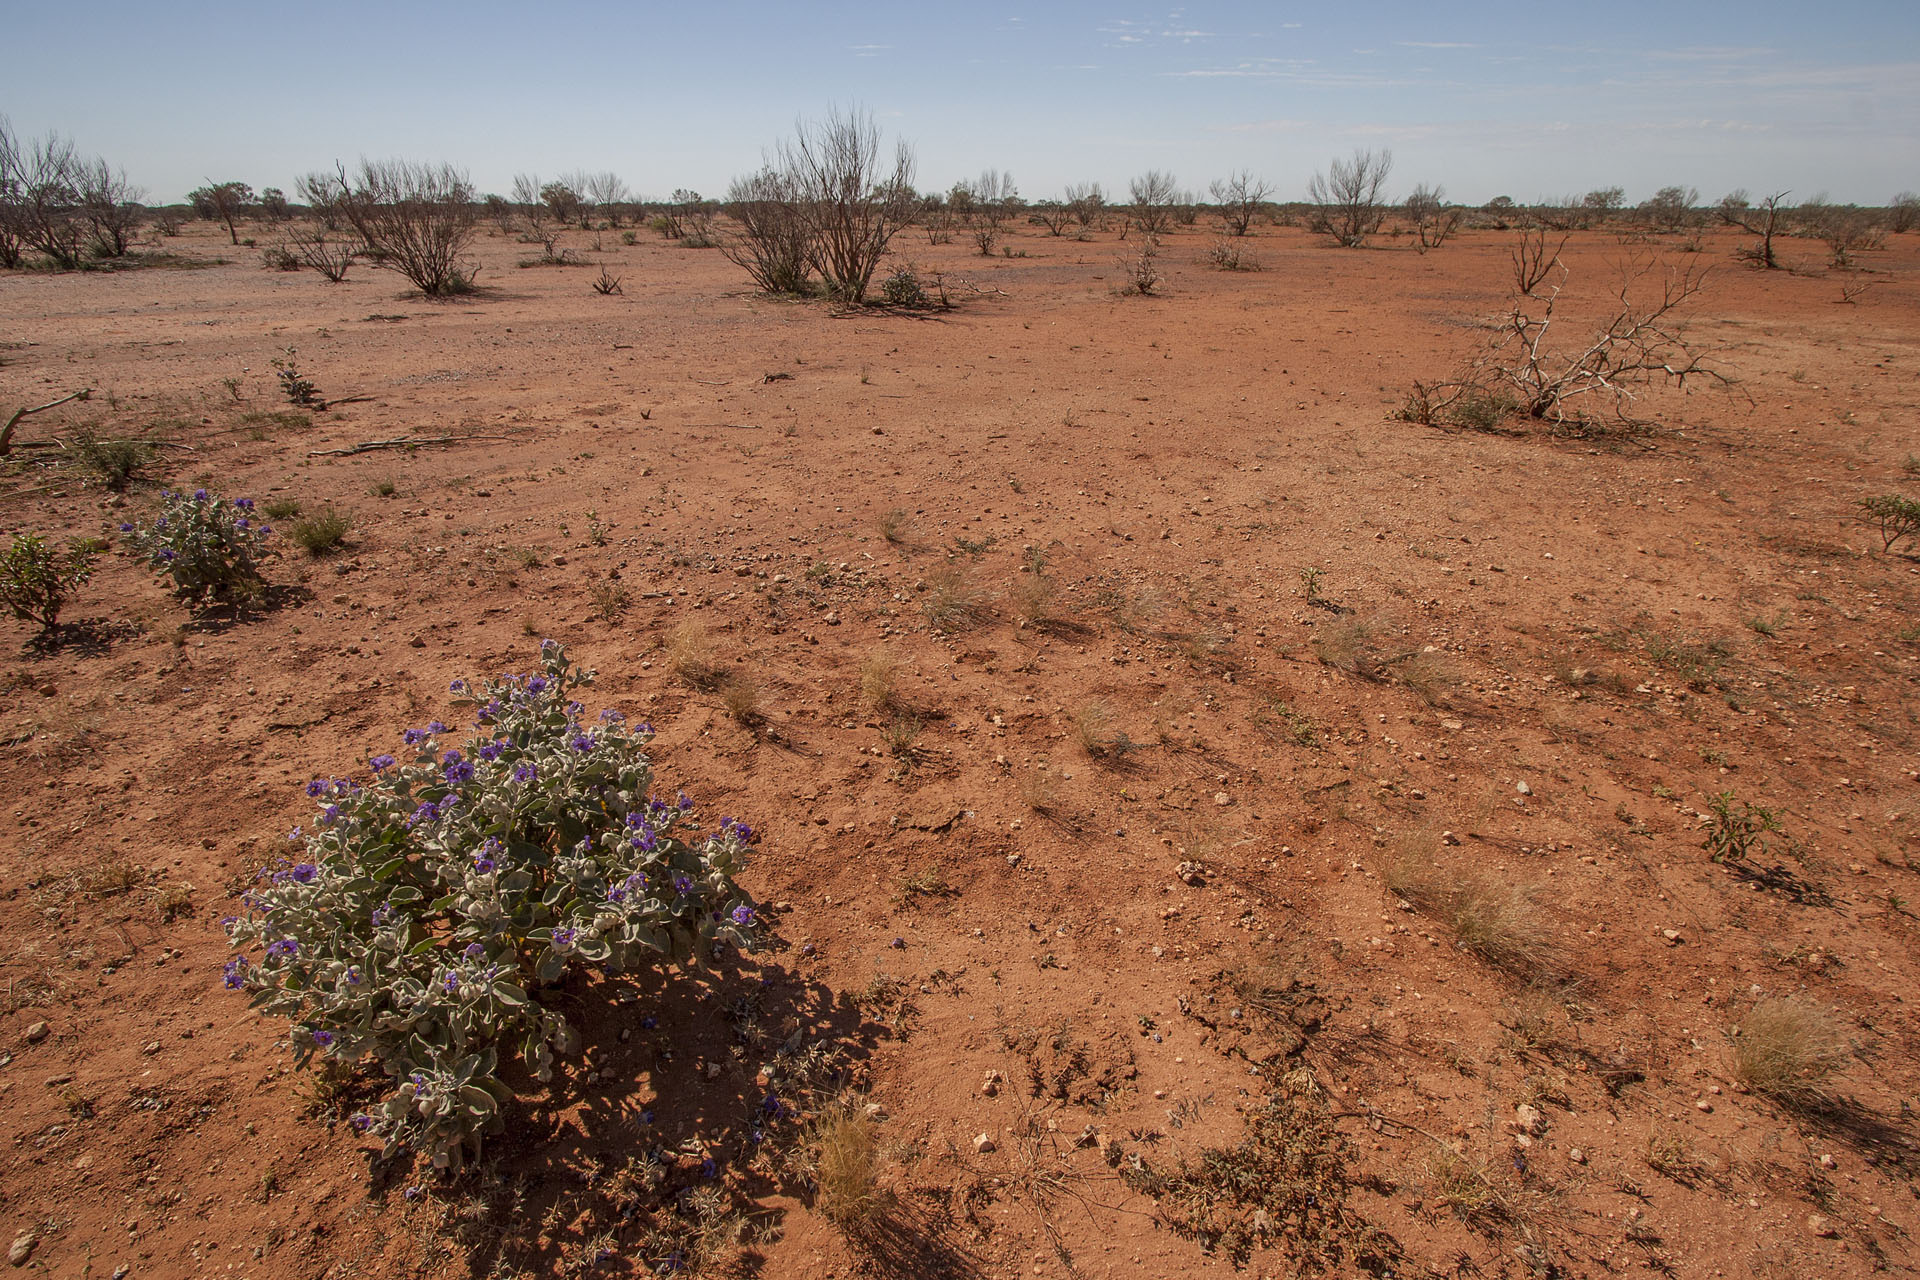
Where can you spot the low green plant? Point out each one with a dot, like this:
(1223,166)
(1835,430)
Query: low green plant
(904,289)
(208,547)
(322,532)
(296,386)
(425,922)
(35,579)
(113,463)
(1896,515)
(1735,834)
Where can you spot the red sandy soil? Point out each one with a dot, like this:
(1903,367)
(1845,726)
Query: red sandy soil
(1626,626)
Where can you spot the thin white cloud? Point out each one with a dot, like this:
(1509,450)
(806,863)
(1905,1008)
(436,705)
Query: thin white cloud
(1433,44)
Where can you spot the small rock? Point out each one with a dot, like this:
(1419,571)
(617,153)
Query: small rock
(990,1087)
(1826,1162)
(1817,1223)
(1222,799)
(984,1143)
(1529,1120)
(1523,788)
(1577,1156)
(37,1032)
(1703,1106)
(23,1246)
(1672,936)
(1447,837)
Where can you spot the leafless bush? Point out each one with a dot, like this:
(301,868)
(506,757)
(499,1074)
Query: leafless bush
(1230,254)
(327,252)
(1056,216)
(526,198)
(991,199)
(1847,230)
(1086,200)
(112,208)
(608,193)
(1903,214)
(773,239)
(1765,220)
(852,204)
(1523,369)
(223,202)
(1240,197)
(1433,222)
(418,218)
(42,206)
(1152,204)
(1348,200)
(1532,264)
(326,194)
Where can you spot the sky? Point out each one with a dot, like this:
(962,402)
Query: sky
(1528,100)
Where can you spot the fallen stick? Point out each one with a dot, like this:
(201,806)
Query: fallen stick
(6,432)
(399,442)
(150,444)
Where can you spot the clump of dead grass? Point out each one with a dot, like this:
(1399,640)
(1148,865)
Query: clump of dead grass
(953,601)
(690,655)
(880,680)
(843,1153)
(740,695)
(1787,1048)
(1498,921)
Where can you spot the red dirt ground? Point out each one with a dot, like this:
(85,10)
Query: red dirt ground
(1625,626)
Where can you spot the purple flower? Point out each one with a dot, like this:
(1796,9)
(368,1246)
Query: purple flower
(649,1022)
(284,947)
(235,971)
(474,951)
(683,885)
(125,527)
(685,801)
(241,523)
(743,832)
(582,742)
(492,750)
(483,865)
(382,915)
(322,1038)
(330,815)
(564,937)
(610,716)
(304,873)
(458,686)
(317,788)
(361,1122)
(645,841)
(245,504)
(537,684)
(453,984)
(168,555)
(199,495)
(742,915)
(426,812)
(265,529)
(459,772)
(434,726)
(414,737)
(381,763)
(525,772)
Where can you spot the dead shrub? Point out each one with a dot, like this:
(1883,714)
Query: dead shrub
(741,698)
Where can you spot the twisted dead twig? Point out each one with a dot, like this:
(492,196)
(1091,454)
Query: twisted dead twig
(399,442)
(6,432)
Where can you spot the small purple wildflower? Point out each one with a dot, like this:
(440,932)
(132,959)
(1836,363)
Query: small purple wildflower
(582,742)
(322,1038)
(492,750)
(434,726)
(304,873)
(381,763)
(564,937)
(453,984)
(743,915)
(284,947)
(474,951)
(683,885)
(125,527)
(235,973)
(199,495)
(525,771)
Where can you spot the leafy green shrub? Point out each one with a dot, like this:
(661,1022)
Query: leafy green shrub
(35,579)
(1735,835)
(418,923)
(322,531)
(903,289)
(1897,516)
(209,547)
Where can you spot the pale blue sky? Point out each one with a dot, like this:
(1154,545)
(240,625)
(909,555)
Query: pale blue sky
(1528,100)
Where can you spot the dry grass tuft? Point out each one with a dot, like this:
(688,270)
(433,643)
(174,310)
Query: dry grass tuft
(1430,676)
(1031,598)
(1499,922)
(953,601)
(896,526)
(690,655)
(845,1157)
(1787,1048)
(880,680)
(1348,645)
(741,697)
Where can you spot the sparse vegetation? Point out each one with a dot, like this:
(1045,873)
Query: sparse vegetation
(1498,921)
(953,600)
(1896,516)
(35,579)
(1349,199)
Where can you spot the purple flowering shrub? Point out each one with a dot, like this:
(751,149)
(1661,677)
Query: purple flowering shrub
(208,546)
(430,905)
